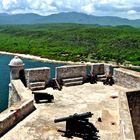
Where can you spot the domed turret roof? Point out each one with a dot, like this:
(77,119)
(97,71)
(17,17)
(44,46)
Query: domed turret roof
(16,61)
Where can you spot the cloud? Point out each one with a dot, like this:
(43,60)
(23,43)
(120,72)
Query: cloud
(131,12)
(89,9)
(123,8)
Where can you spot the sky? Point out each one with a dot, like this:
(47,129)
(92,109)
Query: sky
(121,8)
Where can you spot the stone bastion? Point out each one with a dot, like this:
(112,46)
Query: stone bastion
(24,81)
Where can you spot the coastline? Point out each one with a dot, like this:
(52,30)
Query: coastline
(38,58)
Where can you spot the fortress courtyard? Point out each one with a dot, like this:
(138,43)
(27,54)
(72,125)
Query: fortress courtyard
(101,100)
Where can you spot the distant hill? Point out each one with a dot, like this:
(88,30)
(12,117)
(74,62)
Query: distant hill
(71,17)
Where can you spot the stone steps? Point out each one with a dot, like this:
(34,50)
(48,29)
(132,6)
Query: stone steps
(37,85)
(72,81)
(101,77)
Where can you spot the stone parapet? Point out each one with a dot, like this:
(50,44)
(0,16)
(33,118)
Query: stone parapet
(18,108)
(127,78)
(41,74)
(12,117)
(71,71)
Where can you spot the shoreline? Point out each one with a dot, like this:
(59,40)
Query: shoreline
(38,58)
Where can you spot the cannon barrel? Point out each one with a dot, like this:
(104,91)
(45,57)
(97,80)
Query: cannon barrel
(75,116)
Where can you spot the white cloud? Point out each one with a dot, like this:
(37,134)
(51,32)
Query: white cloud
(8,3)
(89,9)
(123,8)
(131,12)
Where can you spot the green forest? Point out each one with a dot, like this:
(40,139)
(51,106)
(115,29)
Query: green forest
(75,42)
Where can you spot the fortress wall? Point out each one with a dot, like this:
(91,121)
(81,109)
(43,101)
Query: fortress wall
(19,109)
(41,74)
(21,91)
(134,106)
(14,116)
(126,127)
(71,71)
(127,78)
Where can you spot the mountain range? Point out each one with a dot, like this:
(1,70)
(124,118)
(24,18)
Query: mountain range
(70,17)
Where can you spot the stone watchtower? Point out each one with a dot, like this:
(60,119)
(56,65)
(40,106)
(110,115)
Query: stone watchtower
(16,70)
(16,66)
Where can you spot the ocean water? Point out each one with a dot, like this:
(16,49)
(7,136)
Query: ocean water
(5,75)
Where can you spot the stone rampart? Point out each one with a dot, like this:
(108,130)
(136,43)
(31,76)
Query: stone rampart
(71,71)
(127,78)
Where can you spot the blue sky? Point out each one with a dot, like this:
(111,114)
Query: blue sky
(122,8)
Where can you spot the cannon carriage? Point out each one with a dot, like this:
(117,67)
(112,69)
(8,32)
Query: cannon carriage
(78,125)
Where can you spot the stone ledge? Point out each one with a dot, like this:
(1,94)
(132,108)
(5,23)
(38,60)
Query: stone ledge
(8,120)
(127,131)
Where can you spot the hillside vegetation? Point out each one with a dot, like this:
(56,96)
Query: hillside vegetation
(73,42)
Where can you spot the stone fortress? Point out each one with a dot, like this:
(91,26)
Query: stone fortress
(118,106)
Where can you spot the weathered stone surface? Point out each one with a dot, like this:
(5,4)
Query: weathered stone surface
(97,69)
(13,96)
(13,117)
(19,109)
(71,71)
(16,66)
(37,75)
(127,78)
(126,127)
(108,69)
(134,105)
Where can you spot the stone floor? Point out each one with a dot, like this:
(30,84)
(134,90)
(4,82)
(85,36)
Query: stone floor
(95,98)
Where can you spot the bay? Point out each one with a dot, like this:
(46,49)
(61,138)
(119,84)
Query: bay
(5,75)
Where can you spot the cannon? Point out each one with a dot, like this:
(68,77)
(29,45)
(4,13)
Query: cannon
(78,125)
(42,96)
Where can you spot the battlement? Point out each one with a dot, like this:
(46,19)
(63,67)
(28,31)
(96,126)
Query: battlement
(114,105)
